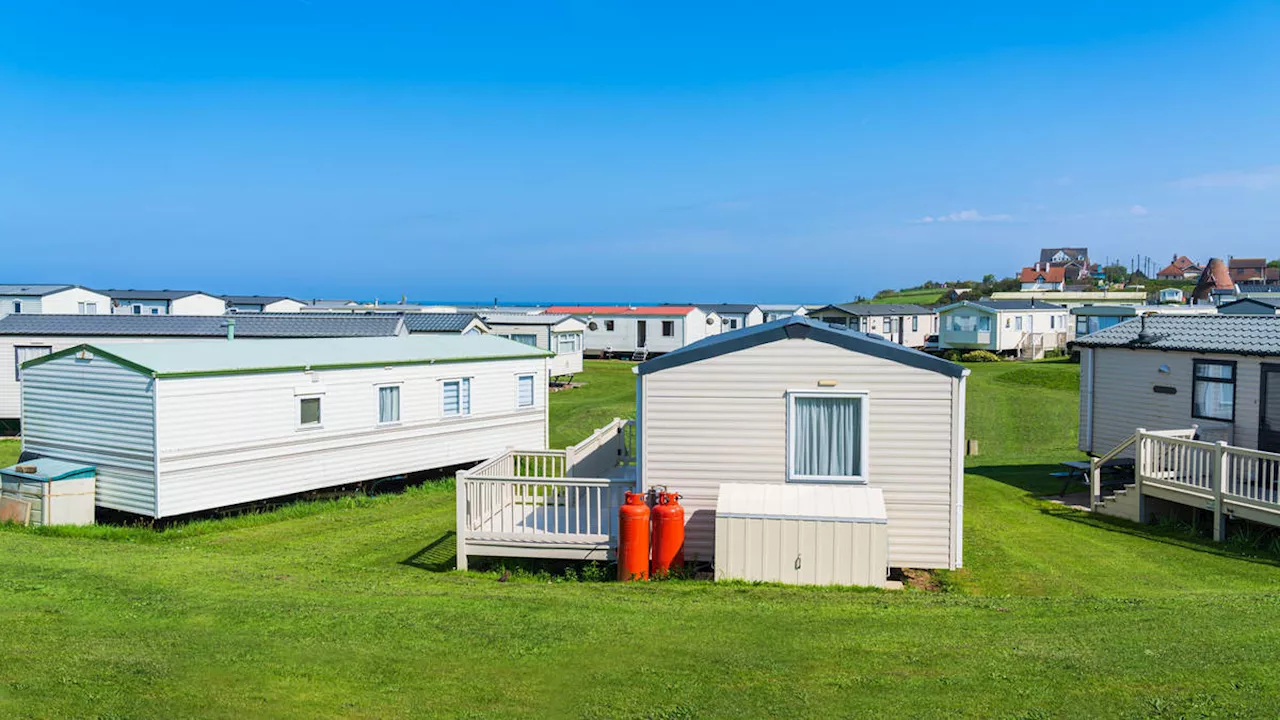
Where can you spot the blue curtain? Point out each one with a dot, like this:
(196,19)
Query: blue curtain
(828,436)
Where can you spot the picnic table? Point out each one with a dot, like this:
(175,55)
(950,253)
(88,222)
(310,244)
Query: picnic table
(1115,472)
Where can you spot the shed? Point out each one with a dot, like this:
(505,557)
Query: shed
(45,491)
(802,534)
(751,407)
(182,427)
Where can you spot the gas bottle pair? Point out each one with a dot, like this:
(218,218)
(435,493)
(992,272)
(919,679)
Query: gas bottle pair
(650,541)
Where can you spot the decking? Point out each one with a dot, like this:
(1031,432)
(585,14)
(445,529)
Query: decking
(547,503)
(1230,481)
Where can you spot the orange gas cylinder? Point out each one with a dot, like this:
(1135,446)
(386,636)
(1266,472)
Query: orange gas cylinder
(633,538)
(668,534)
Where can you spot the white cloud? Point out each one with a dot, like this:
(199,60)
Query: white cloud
(1138,210)
(1258,179)
(964,216)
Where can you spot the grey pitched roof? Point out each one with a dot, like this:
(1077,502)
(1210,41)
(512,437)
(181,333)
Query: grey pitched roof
(269,325)
(800,327)
(1046,254)
(1228,334)
(1263,305)
(878,309)
(131,294)
(735,308)
(256,299)
(437,322)
(40,290)
(497,318)
(1015,304)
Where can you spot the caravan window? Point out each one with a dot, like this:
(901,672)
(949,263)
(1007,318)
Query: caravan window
(23,353)
(568,342)
(608,325)
(668,328)
(524,391)
(308,412)
(457,397)
(1213,390)
(389,404)
(827,437)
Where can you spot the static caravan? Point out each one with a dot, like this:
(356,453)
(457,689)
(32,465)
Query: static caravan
(1251,306)
(798,401)
(51,299)
(904,324)
(560,334)
(27,337)
(165,302)
(1220,373)
(1088,319)
(778,311)
(444,324)
(1026,328)
(262,303)
(734,316)
(638,332)
(183,427)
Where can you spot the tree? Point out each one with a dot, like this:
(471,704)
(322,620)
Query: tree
(1115,273)
(988,279)
(1274,264)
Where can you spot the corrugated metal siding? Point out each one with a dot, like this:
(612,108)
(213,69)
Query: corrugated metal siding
(97,413)
(1123,398)
(233,439)
(724,420)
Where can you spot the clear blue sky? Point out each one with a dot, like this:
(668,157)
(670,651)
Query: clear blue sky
(598,150)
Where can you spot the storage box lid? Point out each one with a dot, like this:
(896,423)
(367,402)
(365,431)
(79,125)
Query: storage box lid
(826,502)
(48,470)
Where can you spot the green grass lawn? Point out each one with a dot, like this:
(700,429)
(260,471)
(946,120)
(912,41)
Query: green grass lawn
(348,609)
(918,297)
(8,452)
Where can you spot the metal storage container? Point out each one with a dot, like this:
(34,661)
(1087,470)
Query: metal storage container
(48,492)
(802,534)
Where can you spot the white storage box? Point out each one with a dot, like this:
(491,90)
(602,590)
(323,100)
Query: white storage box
(48,492)
(802,534)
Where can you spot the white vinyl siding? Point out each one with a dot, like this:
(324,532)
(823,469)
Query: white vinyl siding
(524,391)
(24,353)
(457,397)
(389,404)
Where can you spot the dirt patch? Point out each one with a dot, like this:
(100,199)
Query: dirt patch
(557,387)
(920,580)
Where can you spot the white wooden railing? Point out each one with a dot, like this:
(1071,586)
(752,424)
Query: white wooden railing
(1223,476)
(546,503)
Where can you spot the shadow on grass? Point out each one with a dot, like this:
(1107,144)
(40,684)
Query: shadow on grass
(1037,483)
(440,556)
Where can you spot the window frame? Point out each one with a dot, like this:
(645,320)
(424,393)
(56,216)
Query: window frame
(865,440)
(319,398)
(1195,378)
(915,323)
(533,390)
(137,309)
(377,403)
(461,380)
(608,326)
(668,325)
(17,366)
(560,338)
(17,307)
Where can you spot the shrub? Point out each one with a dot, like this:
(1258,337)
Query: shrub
(976,356)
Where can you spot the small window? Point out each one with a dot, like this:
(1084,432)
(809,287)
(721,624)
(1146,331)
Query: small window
(309,411)
(984,323)
(23,353)
(1082,325)
(87,308)
(1213,390)
(389,404)
(733,324)
(155,311)
(1017,323)
(608,325)
(525,339)
(1052,320)
(668,328)
(828,438)
(915,323)
(137,309)
(457,397)
(568,343)
(524,391)
(17,306)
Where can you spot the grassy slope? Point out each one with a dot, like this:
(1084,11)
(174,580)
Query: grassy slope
(343,610)
(609,391)
(919,297)
(8,452)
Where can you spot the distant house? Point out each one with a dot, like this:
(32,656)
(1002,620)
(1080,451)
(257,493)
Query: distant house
(561,334)
(1074,262)
(1251,270)
(164,302)
(1172,295)
(734,316)
(904,324)
(1025,328)
(1182,268)
(262,303)
(1043,277)
(51,299)
(27,337)
(444,324)
(777,311)
(640,331)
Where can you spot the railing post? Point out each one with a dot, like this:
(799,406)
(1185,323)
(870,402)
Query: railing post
(1095,483)
(1220,471)
(1137,474)
(460,531)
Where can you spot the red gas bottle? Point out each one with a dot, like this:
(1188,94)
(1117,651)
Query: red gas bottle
(633,538)
(668,534)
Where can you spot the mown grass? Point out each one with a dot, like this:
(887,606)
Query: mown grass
(917,297)
(349,609)
(608,391)
(9,450)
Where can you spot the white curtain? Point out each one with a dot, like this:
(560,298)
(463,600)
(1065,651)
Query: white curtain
(524,391)
(24,353)
(388,404)
(451,397)
(828,436)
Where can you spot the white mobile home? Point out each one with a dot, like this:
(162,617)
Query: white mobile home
(27,337)
(180,427)
(560,334)
(797,401)
(904,324)
(262,303)
(1026,328)
(165,302)
(734,316)
(51,299)
(640,331)
(444,323)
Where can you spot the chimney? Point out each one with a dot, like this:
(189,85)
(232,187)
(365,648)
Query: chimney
(231,328)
